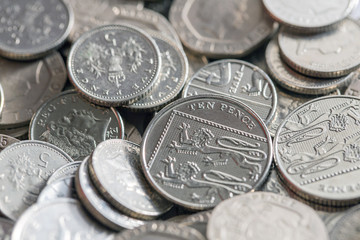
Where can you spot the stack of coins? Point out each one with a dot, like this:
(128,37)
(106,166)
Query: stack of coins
(125,119)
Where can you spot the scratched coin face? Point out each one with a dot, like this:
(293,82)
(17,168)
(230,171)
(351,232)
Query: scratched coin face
(61,219)
(116,172)
(309,15)
(32,28)
(27,85)
(237,79)
(114,65)
(73,124)
(317,150)
(347,227)
(265,216)
(330,54)
(25,168)
(201,150)
(239,26)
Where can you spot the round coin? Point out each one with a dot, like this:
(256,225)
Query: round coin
(239,26)
(25,167)
(307,15)
(330,54)
(316,150)
(172,77)
(114,65)
(201,150)
(116,172)
(348,226)
(237,79)
(198,221)
(263,216)
(6,141)
(62,188)
(296,82)
(75,125)
(97,206)
(66,171)
(6,228)
(31,29)
(61,219)
(160,230)
(27,85)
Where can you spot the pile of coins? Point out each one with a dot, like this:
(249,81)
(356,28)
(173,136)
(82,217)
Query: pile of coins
(183,119)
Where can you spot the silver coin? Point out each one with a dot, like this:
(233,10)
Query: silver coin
(195,62)
(61,219)
(198,221)
(114,65)
(348,226)
(105,12)
(237,79)
(330,54)
(27,85)
(296,82)
(1,99)
(354,87)
(273,184)
(74,125)
(6,228)
(20,133)
(132,134)
(25,168)
(65,171)
(160,230)
(307,15)
(330,218)
(288,102)
(263,215)
(97,206)
(31,29)
(239,26)
(62,188)
(116,172)
(201,150)
(172,77)
(6,141)
(316,150)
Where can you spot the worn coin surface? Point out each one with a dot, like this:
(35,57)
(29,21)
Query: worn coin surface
(25,167)
(27,85)
(296,82)
(307,15)
(201,150)
(6,228)
(172,77)
(31,29)
(6,141)
(160,230)
(61,219)
(65,171)
(116,172)
(237,79)
(73,124)
(330,54)
(239,26)
(1,99)
(317,150)
(100,209)
(263,215)
(62,188)
(348,226)
(114,64)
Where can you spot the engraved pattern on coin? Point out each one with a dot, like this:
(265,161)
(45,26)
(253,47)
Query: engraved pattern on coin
(274,185)
(62,188)
(6,141)
(331,54)
(61,219)
(97,206)
(201,150)
(27,85)
(172,77)
(74,125)
(30,29)
(114,64)
(317,150)
(116,171)
(237,79)
(66,171)
(25,168)
(239,26)
(309,15)
(264,216)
